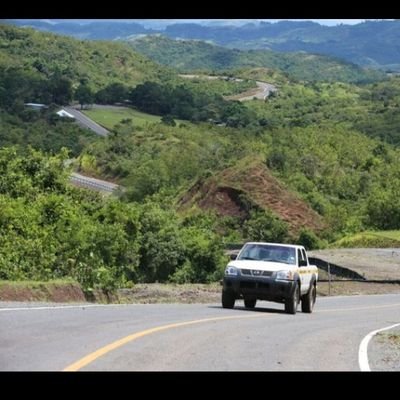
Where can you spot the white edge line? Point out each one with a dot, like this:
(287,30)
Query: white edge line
(58,307)
(363,349)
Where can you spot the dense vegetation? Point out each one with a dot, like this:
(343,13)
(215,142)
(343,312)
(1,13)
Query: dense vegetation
(42,130)
(370,109)
(50,230)
(54,70)
(186,103)
(353,190)
(45,58)
(196,55)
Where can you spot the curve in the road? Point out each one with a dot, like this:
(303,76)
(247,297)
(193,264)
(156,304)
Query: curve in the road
(363,349)
(263,88)
(193,337)
(83,362)
(76,366)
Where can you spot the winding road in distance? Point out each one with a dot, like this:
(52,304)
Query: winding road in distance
(262,91)
(192,337)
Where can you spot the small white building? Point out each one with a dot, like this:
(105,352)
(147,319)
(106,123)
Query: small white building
(63,113)
(35,106)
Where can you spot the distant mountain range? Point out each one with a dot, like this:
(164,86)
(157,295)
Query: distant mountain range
(373,44)
(195,55)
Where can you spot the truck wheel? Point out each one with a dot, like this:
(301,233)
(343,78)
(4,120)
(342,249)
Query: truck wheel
(250,303)
(228,299)
(292,302)
(308,300)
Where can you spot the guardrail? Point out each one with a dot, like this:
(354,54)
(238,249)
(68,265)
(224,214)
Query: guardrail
(92,183)
(335,269)
(395,281)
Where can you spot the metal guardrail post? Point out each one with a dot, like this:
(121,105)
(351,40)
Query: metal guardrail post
(329,279)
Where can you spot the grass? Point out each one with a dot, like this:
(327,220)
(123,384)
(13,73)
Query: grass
(387,234)
(380,239)
(109,117)
(391,337)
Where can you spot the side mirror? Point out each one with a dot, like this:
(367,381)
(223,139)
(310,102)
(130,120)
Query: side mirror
(233,256)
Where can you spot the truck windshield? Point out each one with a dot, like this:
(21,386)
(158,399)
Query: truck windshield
(264,252)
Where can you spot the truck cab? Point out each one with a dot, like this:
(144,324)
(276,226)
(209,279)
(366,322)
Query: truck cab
(271,271)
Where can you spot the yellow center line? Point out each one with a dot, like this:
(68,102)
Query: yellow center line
(76,366)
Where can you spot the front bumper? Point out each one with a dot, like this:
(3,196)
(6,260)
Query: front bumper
(260,288)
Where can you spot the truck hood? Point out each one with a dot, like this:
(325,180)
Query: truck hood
(261,265)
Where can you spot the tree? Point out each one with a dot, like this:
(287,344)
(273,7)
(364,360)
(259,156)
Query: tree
(60,88)
(113,93)
(264,226)
(84,95)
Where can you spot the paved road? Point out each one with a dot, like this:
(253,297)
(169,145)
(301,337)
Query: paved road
(262,92)
(265,339)
(92,183)
(87,122)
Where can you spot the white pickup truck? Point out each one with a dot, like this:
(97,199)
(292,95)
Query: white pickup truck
(273,272)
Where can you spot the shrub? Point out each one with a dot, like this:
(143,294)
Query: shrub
(264,226)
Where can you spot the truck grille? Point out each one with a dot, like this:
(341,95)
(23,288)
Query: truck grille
(255,272)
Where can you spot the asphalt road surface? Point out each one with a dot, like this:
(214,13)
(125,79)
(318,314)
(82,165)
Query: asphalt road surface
(264,89)
(87,122)
(193,337)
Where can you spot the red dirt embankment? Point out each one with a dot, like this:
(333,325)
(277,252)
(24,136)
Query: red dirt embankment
(228,192)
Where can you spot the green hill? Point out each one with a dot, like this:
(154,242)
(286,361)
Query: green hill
(189,55)
(46,68)
(100,63)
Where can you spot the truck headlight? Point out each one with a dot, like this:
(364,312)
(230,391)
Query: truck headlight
(285,275)
(231,270)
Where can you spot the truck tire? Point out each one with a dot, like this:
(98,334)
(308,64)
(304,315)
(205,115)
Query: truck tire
(250,303)
(308,300)
(228,299)
(292,302)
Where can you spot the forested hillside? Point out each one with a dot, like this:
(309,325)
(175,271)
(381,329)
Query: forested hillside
(39,56)
(50,230)
(54,70)
(350,180)
(189,55)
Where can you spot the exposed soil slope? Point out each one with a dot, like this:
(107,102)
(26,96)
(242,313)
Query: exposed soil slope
(231,192)
(41,291)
